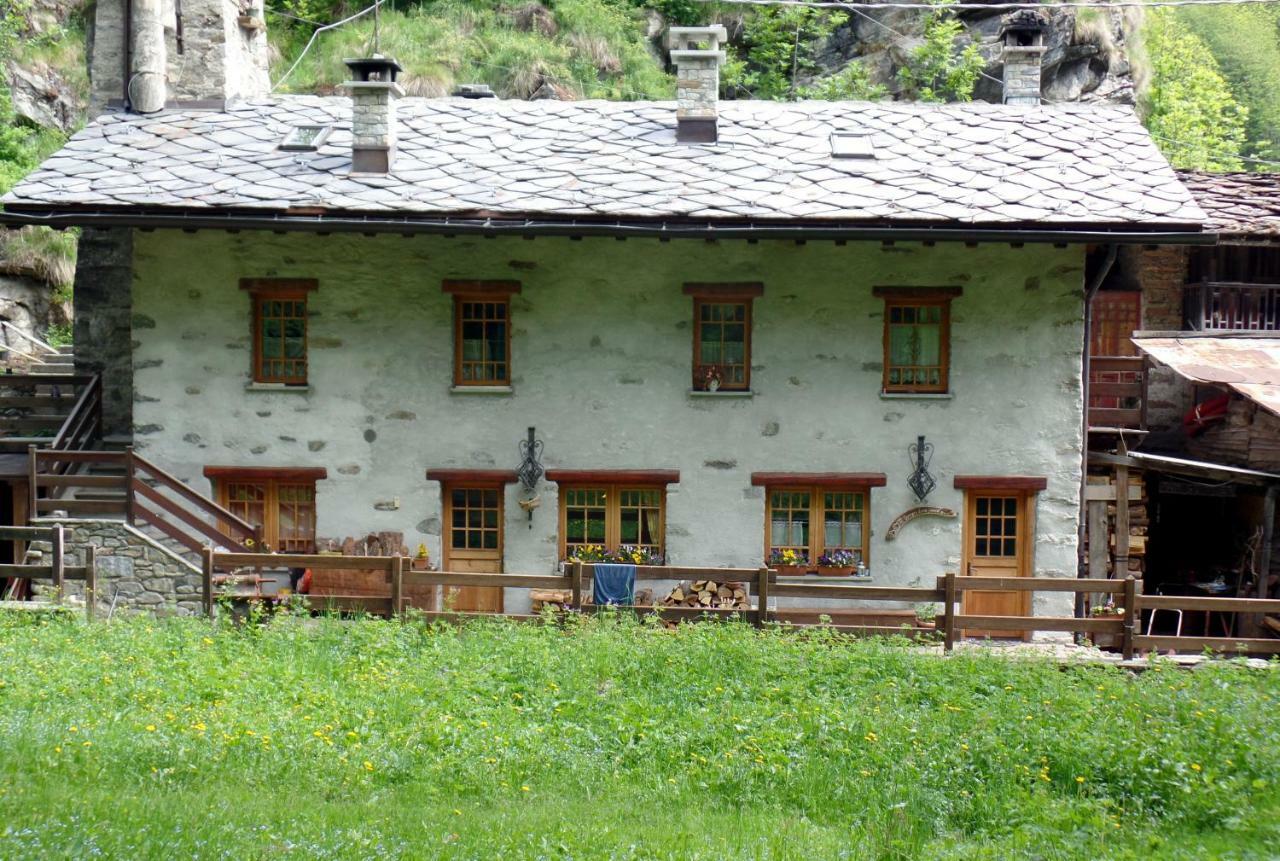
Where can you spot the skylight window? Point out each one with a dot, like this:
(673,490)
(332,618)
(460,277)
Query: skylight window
(304,138)
(851,145)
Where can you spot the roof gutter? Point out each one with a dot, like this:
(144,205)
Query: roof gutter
(489,226)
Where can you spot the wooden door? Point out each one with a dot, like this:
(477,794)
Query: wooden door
(996,544)
(473,543)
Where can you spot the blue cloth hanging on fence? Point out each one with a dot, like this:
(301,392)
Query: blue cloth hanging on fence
(614,584)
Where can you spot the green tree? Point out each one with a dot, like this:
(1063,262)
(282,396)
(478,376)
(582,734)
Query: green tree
(781,46)
(939,70)
(1189,107)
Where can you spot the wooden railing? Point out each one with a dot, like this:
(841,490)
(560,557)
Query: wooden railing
(137,490)
(53,411)
(1117,392)
(56,570)
(1231,306)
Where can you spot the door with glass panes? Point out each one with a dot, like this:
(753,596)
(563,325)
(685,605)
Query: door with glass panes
(997,529)
(473,544)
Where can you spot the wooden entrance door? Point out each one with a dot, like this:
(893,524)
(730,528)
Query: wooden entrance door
(996,544)
(473,543)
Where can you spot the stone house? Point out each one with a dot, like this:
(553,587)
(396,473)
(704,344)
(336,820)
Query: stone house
(725,324)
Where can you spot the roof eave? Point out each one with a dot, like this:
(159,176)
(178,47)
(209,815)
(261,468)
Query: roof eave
(671,228)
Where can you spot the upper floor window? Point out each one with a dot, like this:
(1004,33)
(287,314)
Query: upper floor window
(722,335)
(282,501)
(917,339)
(279,329)
(482,331)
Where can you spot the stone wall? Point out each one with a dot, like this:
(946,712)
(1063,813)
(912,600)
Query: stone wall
(135,573)
(601,367)
(1159,273)
(103,322)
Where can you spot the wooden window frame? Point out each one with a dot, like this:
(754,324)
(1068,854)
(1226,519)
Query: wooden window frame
(284,290)
(464,292)
(733,293)
(919,297)
(272,479)
(613,512)
(498,489)
(817,519)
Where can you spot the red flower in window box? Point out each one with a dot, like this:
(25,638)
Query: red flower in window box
(708,378)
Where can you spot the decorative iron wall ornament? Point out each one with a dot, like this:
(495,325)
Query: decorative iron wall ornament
(529,472)
(920,454)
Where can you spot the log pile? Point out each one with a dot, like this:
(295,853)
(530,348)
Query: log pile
(708,594)
(1102,492)
(562,599)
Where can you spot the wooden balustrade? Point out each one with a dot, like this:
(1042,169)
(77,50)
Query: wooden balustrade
(1117,392)
(49,410)
(1232,306)
(56,571)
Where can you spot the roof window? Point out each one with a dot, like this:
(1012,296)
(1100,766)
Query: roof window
(851,145)
(305,138)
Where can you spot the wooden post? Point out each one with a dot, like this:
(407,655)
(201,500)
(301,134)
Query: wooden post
(1254,620)
(206,579)
(1130,616)
(397,586)
(129,500)
(949,611)
(32,495)
(56,562)
(576,572)
(90,583)
(762,596)
(1120,569)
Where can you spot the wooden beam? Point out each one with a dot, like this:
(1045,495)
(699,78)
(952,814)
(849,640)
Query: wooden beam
(1099,539)
(1120,563)
(1037,584)
(1098,625)
(1199,644)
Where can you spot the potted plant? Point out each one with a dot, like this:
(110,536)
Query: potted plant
(927,616)
(788,563)
(1109,610)
(708,378)
(633,555)
(838,563)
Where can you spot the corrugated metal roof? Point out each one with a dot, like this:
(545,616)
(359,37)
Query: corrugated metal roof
(1247,364)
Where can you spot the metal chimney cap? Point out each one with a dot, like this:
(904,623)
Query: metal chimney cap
(375,68)
(474,91)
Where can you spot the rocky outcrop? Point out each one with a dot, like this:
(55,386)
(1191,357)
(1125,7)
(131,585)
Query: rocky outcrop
(44,97)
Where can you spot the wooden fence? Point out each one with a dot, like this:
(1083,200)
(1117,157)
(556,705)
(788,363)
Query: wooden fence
(56,570)
(765,584)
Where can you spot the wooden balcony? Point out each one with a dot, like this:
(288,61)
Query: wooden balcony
(1117,392)
(1231,306)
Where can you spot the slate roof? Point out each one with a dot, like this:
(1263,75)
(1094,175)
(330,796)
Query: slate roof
(970,164)
(1246,204)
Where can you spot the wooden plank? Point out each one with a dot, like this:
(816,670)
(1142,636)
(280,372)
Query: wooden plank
(90,582)
(26,572)
(514,581)
(1199,644)
(26,533)
(1107,493)
(397,585)
(170,506)
(1039,584)
(1098,625)
(576,585)
(1215,605)
(856,593)
(1099,540)
(683,572)
(1115,390)
(186,539)
(48,456)
(949,610)
(206,580)
(908,631)
(57,560)
(118,482)
(307,560)
(141,464)
(1114,417)
(1114,363)
(1131,617)
(1120,562)
(762,595)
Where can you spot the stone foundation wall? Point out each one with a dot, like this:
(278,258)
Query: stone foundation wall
(134,571)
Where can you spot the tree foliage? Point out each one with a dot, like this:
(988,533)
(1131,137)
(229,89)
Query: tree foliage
(781,48)
(940,69)
(1189,107)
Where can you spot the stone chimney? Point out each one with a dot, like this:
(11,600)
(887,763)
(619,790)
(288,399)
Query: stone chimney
(1023,34)
(212,52)
(697,56)
(373,113)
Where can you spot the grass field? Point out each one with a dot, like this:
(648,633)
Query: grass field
(610,739)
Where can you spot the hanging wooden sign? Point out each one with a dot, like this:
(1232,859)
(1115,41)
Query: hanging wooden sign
(911,514)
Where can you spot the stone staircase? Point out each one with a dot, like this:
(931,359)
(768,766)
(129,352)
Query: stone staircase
(59,363)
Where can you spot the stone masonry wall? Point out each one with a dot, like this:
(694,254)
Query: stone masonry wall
(601,348)
(103,321)
(134,572)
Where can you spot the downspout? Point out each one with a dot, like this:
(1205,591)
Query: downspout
(127,53)
(1091,290)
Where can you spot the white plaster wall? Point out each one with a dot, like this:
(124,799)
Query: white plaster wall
(601,346)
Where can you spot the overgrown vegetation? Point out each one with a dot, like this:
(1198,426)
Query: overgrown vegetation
(321,739)
(939,70)
(1189,106)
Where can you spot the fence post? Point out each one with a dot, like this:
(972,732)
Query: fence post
(128,487)
(32,494)
(576,573)
(398,563)
(56,563)
(949,611)
(762,596)
(206,579)
(90,583)
(1130,616)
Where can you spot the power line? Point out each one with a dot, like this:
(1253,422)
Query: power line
(1266,161)
(318,31)
(990,7)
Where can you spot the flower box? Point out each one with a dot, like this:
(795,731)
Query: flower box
(837,570)
(791,570)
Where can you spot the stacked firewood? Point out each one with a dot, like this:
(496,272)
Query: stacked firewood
(562,599)
(709,594)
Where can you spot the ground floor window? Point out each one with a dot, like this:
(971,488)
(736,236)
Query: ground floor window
(817,523)
(280,501)
(610,516)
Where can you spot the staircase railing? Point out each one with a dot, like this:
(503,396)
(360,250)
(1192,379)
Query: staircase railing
(32,411)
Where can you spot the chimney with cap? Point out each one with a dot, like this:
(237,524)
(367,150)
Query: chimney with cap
(1024,47)
(697,56)
(374,92)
